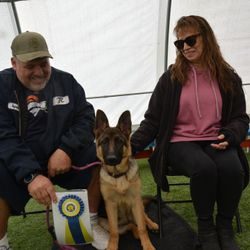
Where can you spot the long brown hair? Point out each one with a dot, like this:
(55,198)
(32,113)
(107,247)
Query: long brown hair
(211,55)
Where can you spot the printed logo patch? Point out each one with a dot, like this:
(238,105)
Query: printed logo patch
(34,106)
(60,100)
(13,106)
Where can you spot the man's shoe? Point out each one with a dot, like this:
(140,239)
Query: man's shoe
(3,247)
(100,237)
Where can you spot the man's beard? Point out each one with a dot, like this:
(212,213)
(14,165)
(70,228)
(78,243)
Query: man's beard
(36,87)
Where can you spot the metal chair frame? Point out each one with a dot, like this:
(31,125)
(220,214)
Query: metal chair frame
(161,202)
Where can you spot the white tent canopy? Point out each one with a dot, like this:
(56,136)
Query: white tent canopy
(116,48)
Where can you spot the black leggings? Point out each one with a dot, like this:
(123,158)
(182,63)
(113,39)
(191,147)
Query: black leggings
(215,176)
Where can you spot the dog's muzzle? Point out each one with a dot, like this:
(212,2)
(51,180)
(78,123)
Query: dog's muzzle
(112,160)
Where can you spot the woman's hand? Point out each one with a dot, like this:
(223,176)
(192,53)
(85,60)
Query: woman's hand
(222,144)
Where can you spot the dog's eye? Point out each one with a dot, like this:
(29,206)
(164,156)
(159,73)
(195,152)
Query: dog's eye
(104,141)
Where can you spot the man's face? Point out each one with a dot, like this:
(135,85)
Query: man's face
(34,74)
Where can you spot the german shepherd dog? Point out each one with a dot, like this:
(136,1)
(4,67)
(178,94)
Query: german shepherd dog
(120,182)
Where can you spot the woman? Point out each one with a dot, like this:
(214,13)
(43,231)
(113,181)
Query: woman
(197,116)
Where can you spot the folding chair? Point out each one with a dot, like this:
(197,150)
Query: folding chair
(24,213)
(161,202)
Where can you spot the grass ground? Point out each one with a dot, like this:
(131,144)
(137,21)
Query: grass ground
(186,209)
(31,233)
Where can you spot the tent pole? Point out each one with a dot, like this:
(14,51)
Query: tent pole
(167,34)
(13,5)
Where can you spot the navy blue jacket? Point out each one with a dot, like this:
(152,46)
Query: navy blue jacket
(69,125)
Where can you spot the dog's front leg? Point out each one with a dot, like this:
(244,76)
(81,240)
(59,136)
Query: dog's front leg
(138,212)
(151,224)
(112,213)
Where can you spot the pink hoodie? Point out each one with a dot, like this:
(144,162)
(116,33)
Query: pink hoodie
(199,110)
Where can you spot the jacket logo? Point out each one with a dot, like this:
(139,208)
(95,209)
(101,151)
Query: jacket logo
(13,106)
(60,100)
(35,107)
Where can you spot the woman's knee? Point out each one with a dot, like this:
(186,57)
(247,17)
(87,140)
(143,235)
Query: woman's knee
(230,167)
(233,174)
(206,170)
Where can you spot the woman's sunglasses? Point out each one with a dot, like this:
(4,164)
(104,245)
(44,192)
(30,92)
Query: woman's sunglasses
(190,41)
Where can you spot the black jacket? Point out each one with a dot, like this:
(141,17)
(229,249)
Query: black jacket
(160,117)
(69,125)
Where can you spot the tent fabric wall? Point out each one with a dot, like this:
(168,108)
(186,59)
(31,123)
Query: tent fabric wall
(116,47)
(7,32)
(109,46)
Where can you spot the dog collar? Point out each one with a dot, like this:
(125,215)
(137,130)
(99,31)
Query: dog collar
(117,175)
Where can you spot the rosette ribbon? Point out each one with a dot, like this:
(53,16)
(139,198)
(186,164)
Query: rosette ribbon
(72,208)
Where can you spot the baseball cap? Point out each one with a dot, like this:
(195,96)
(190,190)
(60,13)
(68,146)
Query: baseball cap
(28,46)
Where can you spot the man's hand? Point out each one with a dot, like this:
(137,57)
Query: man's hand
(59,163)
(42,190)
(222,144)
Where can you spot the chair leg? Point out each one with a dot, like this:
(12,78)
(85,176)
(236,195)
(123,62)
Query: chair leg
(159,205)
(24,213)
(238,221)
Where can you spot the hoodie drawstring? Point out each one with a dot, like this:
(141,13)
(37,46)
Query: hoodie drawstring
(196,93)
(197,96)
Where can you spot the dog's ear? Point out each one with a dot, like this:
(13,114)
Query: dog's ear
(124,123)
(101,122)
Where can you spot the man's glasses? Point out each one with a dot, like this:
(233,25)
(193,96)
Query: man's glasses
(190,41)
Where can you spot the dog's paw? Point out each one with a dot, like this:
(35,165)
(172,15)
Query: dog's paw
(148,246)
(154,231)
(153,227)
(113,243)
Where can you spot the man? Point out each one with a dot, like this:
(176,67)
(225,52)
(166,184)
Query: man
(46,126)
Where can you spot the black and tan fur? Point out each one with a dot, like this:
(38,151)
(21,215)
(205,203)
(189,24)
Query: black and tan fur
(120,182)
